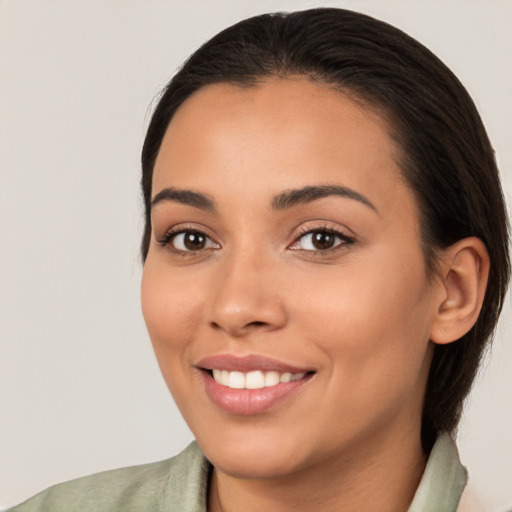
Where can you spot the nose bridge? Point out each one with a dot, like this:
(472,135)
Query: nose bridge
(246,297)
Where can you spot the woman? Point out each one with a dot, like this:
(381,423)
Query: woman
(326,257)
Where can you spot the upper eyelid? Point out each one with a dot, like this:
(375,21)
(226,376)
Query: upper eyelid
(307,227)
(183,227)
(335,232)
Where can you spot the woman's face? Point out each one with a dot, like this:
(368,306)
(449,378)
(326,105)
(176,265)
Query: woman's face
(286,242)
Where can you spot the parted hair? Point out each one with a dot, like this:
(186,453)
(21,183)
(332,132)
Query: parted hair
(446,157)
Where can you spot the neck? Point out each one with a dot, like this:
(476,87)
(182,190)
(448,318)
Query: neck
(381,475)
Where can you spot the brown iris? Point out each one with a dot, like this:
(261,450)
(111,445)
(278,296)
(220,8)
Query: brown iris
(323,240)
(194,241)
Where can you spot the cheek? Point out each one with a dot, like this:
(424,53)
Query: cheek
(373,323)
(170,307)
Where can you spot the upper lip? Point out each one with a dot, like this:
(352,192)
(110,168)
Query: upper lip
(248,363)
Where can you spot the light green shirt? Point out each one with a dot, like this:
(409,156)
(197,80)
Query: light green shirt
(180,484)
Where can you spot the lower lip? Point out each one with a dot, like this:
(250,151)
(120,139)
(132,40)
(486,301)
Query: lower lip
(246,402)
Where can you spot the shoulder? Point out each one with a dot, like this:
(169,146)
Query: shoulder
(151,487)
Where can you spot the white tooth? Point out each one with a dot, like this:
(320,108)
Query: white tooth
(236,380)
(297,376)
(254,380)
(285,377)
(271,379)
(216,376)
(224,377)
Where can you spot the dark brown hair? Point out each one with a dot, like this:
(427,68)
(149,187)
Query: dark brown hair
(447,158)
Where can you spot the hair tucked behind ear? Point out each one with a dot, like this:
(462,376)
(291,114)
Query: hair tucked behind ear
(447,158)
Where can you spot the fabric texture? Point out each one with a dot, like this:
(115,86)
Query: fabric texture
(172,485)
(180,484)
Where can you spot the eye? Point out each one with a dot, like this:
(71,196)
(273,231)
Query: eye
(188,241)
(321,240)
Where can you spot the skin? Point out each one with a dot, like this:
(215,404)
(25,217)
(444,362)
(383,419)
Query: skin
(360,315)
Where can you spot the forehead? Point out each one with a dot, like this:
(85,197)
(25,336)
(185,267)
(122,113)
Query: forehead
(278,134)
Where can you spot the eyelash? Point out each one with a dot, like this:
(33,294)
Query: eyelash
(344,239)
(171,234)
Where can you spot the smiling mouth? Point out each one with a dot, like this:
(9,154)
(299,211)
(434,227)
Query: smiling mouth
(236,388)
(251,384)
(254,379)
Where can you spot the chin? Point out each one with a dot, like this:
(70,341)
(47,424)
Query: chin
(257,466)
(251,458)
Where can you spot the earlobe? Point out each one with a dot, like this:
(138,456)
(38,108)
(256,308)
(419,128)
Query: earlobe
(465,270)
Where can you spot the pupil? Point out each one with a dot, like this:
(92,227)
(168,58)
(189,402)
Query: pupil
(322,240)
(194,241)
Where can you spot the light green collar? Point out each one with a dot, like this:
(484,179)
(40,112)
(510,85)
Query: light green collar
(443,481)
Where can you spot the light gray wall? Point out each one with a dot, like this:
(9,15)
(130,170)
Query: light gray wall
(79,387)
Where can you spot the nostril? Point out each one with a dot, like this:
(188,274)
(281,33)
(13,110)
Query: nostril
(240,330)
(256,324)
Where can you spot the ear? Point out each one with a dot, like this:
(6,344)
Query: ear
(463,280)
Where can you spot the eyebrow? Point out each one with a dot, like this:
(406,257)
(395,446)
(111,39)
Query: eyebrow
(294,197)
(188,197)
(283,201)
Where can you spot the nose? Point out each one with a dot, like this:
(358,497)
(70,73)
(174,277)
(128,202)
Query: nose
(246,298)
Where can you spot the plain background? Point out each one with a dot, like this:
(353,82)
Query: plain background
(80,390)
